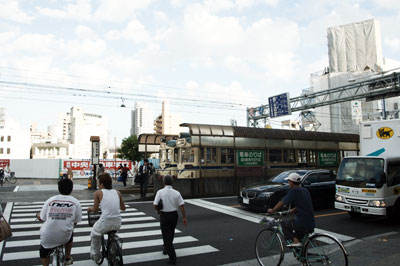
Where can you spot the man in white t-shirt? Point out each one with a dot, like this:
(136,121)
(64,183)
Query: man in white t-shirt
(110,202)
(59,213)
(171,200)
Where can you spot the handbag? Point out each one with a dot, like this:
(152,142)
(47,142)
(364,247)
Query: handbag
(5,229)
(160,205)
(119,179)
(138,178)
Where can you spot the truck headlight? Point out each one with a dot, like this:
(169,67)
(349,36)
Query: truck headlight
(265,195)
(339,198)
(377,203)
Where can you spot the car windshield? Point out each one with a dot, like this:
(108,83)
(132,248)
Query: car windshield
(360,172)
(281,177)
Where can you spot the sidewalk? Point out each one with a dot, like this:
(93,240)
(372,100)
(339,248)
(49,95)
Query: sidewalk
(380,250)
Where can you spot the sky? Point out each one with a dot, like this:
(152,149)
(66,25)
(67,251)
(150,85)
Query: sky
(209,59)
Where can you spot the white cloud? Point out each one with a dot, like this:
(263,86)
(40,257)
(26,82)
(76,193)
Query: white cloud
(119,10)
(10,10)
(218,5)
(393,43)
(81,10)
(136,32)
(84,32)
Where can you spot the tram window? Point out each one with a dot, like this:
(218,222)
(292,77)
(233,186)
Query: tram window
(313,157)
(301,156)
(176,155)
(169,155)
(211,155)
(226,155)
(288,156)
(187,155)
(275,156)
(393,176)
(162,156)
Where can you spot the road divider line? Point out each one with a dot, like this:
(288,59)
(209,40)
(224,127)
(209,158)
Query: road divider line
(330,214)
(249,216)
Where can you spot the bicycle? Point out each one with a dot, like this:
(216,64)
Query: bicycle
(7,177)
(110,249)
(316,248)
(56,256)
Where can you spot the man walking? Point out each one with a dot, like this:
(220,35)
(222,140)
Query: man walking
(166,203)
(144,173)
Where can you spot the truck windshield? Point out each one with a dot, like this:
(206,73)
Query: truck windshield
(360,172)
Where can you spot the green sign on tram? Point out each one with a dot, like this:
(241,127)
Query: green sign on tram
(328,158)
(250,157)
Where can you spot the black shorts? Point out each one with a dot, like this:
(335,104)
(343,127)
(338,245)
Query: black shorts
(45,252)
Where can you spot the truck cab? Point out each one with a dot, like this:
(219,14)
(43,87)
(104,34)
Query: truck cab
(370,184)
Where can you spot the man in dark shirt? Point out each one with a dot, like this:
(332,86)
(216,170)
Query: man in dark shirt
(304,221)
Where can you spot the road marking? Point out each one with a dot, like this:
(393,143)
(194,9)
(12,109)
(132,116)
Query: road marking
(152,256)
(36,242)
(235,206)
(83,229)
(16,189)
(249,216)
(86,249)
(330,214)
(32,215)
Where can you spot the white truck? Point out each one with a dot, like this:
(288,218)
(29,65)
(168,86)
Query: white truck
(370,183)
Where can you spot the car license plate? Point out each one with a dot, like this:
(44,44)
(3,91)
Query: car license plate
(245,201)
(355,209)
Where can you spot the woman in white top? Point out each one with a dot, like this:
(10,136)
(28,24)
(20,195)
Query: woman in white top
(110,202)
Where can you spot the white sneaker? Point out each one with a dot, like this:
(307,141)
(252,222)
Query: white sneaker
(69,261)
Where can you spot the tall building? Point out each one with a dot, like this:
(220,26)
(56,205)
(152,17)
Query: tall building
(166,122)
(141,120)
(14,139)
(70,138)
(355,54)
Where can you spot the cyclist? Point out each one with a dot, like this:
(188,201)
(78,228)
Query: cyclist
(304,221)
(59,213)
(110,202)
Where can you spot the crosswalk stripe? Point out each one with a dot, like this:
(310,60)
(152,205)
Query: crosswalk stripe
(82,250)
(35,242)
(42,202)
(39,209)
(88,229)
(84,217)
(38,224)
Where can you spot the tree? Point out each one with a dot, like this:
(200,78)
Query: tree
(130,149)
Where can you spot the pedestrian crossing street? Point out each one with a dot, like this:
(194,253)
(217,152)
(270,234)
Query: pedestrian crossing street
(141,235)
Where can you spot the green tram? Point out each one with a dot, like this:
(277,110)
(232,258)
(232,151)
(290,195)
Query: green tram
(210,151)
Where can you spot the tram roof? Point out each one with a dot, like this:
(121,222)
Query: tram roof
(266,133)
(154,139)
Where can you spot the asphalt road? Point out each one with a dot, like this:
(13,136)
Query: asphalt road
(220,232)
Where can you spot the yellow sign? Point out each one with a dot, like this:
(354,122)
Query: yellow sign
(369,190)
(385,133)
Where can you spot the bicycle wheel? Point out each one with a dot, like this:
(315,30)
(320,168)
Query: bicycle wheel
(59,256)
(269,248)
(324,249)
(12,179)
(114,254)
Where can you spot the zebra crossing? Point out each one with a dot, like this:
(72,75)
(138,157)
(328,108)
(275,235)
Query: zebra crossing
(140,233)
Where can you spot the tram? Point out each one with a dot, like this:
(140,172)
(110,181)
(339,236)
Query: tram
(228,151)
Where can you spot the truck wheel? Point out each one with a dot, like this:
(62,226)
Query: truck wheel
(355,214)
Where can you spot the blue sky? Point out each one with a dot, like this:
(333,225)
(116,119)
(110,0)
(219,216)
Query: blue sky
(220,55)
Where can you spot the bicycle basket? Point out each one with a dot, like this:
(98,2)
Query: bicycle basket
(93,217)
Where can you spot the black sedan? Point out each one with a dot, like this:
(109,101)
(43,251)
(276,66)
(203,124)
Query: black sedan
(320,183)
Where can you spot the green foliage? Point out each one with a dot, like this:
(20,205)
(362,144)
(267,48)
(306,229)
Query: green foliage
(130,149)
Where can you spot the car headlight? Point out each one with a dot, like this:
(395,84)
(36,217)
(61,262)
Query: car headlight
(377,203)
(339,198)
(265,194)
